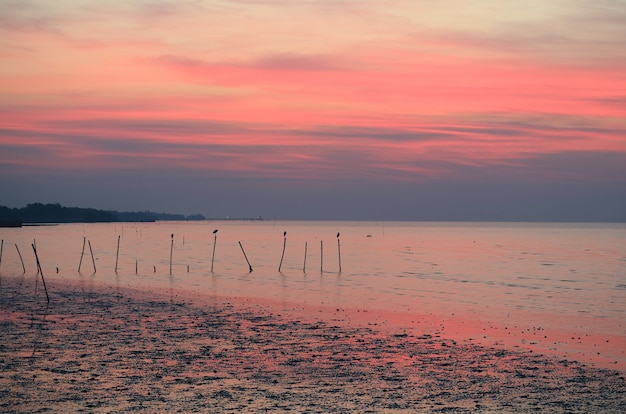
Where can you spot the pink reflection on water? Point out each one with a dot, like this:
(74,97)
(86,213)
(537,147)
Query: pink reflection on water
(548,288)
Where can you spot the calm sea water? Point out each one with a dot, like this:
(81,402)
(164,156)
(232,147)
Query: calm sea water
(539,274)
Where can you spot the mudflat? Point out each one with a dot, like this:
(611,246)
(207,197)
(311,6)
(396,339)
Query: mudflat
(110,349)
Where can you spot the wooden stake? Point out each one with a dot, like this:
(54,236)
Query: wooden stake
(41,271)
(339,251)
(118,252)
(82,253)
(321,256)
(93,260)
(283,255)
(304,265)
(171,252)
(214,243)
(34,244)
(21,260)
(136,265)
(244,255)
(1,247)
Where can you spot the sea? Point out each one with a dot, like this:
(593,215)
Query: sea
(557,288)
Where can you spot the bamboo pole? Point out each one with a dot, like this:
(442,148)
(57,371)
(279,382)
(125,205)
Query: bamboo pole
(304,265)
(93,260)
(244,255)
(339,251)
(117,253)
(34,244)
(41,271)
(21,260)
(171,252)
(283,255)
(214,243)
(321,256)
(1,248)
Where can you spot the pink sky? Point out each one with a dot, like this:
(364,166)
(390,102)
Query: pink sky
(399,93)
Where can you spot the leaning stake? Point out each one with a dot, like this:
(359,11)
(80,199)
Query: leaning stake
(92,258)
(118,252)
(283,255)
(244,255)
(21,260)
(41,271)
(214,243)
(34,244)
(1,246)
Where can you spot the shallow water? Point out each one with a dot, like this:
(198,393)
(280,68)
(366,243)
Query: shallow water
(565,279)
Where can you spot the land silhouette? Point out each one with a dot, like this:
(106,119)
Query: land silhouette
(37,213)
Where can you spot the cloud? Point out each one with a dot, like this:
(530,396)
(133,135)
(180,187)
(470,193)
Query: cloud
(293,61)
(287,61)
(418,151)
(311,95)
(27,16)
(537,34)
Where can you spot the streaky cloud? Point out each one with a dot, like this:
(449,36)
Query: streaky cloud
(463,103)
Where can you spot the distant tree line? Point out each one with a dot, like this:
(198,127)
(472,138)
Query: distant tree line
(56,213)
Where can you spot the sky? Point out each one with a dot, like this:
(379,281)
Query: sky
(317,109)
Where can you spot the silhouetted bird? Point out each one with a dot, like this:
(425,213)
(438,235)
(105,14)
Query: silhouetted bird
(337,235)
(215,231)
(285,234)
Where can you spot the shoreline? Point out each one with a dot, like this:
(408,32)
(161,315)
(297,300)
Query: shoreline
(555,336)
(115,349)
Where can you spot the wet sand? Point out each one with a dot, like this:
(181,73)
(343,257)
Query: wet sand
(98,348)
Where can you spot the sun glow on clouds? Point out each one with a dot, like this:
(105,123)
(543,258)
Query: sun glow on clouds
(406,91)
